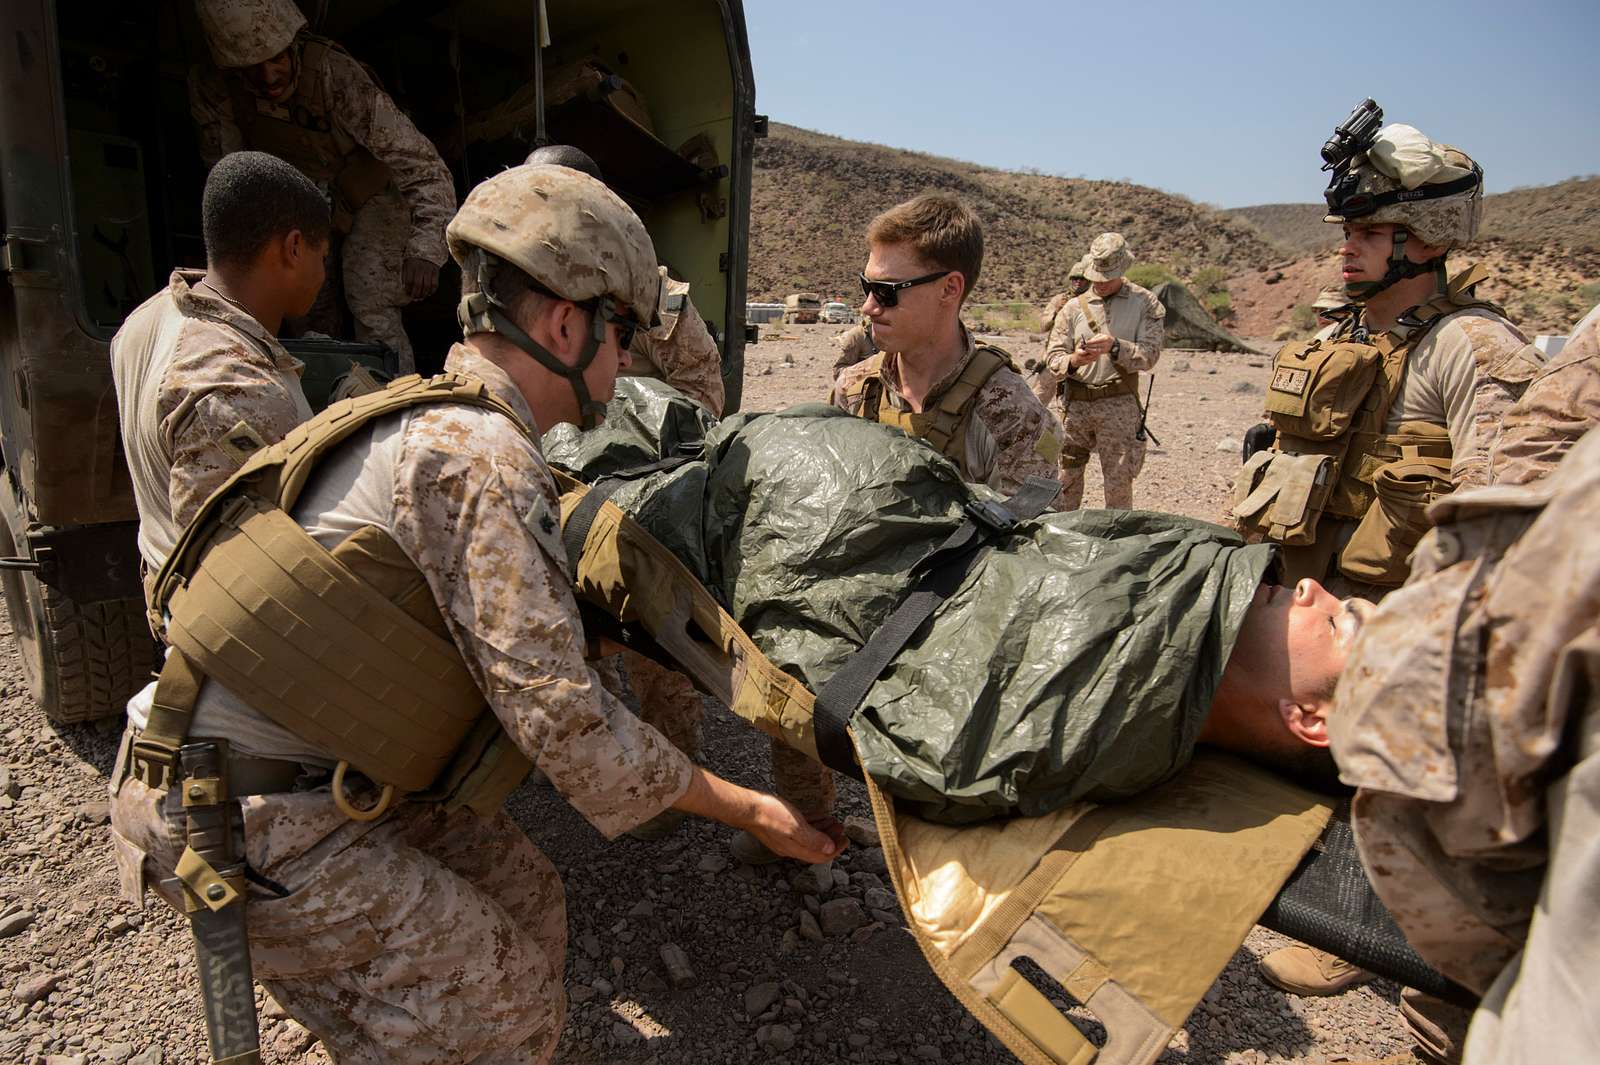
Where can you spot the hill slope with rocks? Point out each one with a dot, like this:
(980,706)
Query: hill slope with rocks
(814,194)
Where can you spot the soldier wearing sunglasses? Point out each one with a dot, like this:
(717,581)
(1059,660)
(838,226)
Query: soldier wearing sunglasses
(930,377)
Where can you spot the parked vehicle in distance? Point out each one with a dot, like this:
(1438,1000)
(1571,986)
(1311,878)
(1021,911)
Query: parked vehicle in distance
(801,308)
(838,314)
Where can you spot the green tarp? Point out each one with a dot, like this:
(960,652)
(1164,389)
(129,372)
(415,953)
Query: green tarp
(1076,661)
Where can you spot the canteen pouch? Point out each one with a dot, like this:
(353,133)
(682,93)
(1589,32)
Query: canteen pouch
(1379,551)
(1316,389)
(1281,496)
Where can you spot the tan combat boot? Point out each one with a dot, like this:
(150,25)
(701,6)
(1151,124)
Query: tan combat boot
(1303,970)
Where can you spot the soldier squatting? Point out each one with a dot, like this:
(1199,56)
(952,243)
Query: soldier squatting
(1419,454)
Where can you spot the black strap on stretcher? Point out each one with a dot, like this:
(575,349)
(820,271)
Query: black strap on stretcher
(937,575)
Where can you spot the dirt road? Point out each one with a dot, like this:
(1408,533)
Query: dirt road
(86,978)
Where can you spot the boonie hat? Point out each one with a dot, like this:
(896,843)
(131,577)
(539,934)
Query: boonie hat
(1108,258)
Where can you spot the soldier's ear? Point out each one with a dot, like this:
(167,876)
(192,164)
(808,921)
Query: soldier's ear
(1308,724)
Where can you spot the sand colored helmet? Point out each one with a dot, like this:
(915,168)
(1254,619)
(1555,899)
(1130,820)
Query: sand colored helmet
(1330,299)
(242,33)
(1403,178)
(567,231)
(1108,258)
(576,240)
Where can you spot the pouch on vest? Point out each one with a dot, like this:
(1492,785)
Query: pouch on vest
(1281,496)
(1316,389)
(1379,551)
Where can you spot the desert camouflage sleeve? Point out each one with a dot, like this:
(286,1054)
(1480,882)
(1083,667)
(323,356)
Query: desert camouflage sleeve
(476,511)
(1461,798)
(212,110)
(1484,367)
(1142,351)
(222,400)
(854,344)
(373,121)
(1561,404)
(689,360)
(1027,436)
(1070,328)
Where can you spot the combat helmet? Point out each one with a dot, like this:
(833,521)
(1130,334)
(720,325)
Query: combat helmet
(1397,175)
(242,33)
(573,239)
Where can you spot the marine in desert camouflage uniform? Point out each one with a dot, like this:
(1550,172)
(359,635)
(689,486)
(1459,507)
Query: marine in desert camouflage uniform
(1451,376)
(201,383)
(679,349)
(1469,719)
(428,936)
(276,88)
(1043,384)
(1561,404)
(855,345)
(1100,343)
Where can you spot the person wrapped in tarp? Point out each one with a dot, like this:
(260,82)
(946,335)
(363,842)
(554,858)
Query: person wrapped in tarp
(1077,656)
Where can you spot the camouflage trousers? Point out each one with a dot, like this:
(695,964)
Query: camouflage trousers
(372,262)
(1107,427)
(426,937)
(669,703)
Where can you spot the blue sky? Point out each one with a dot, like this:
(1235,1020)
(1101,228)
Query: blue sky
(1224,103)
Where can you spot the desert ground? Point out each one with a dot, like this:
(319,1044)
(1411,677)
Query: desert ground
(86,978)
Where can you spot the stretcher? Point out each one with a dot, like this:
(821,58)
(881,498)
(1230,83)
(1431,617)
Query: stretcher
(1132,909)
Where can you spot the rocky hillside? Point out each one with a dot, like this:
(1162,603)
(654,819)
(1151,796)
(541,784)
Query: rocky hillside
(814,195)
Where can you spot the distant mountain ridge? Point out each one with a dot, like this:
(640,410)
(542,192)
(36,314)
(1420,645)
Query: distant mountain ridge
(814,194)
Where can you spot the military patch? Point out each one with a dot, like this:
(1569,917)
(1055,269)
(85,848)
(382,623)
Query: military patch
(1048,447)
(240,442)
(1290,380)
(542,521)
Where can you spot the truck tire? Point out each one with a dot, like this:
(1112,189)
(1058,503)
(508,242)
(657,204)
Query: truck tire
(82,660)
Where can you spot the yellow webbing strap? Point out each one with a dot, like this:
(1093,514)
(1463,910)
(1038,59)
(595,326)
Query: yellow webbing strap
(955,406)
(626,572)
(1103,899)
(155,751)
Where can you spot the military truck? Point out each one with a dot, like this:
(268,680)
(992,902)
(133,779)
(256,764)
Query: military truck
(100,183)
(801,307)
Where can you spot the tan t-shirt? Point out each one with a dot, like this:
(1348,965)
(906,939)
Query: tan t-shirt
(1132,314)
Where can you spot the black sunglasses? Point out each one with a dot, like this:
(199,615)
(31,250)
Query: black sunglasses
(626,328)
(887,293)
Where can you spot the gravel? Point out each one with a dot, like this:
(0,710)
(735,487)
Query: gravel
(678,955)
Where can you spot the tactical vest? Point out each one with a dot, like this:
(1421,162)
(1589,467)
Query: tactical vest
(300,131)
(345,647)
(1329,400)
(945,426)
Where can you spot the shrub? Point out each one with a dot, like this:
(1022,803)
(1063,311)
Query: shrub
(1304,318)
(1208,281)
(1220,304)
(1149,275)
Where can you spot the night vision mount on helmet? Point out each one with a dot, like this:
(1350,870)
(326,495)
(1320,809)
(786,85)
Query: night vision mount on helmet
(1371,185)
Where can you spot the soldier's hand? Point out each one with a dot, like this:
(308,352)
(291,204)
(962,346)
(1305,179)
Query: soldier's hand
(1082,357)
(419,277)
(1099,344)
(780,827)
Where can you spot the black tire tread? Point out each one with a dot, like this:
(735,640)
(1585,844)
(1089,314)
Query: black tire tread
(99,654)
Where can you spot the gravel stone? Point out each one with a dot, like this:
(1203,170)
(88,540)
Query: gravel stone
(760,997)
(16,923)
(34,988)
(775,1038)
(841,917)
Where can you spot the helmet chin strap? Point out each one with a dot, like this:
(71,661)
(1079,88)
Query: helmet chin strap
(482,312)
(1400,268)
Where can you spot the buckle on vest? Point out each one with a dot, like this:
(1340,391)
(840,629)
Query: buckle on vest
(153,764)
(990,515)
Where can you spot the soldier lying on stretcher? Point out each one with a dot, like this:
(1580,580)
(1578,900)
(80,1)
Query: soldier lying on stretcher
(1076,656)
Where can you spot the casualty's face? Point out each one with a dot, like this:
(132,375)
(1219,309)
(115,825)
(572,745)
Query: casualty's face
(273,79)
(912,323)
(1318,631)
